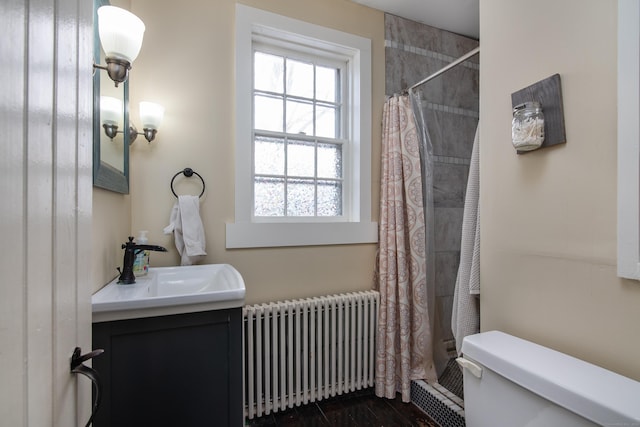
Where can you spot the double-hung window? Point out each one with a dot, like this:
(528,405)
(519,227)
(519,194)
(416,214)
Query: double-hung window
(303,134)
(298,136)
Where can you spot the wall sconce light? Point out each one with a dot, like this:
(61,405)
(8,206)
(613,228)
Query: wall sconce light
(121,34)
(151,115)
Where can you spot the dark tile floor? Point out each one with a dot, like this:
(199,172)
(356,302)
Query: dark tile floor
(356,409)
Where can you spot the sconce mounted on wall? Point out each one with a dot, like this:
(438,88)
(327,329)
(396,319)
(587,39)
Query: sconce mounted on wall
(151,115)
(121,34)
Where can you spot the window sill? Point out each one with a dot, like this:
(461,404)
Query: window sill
(263,235)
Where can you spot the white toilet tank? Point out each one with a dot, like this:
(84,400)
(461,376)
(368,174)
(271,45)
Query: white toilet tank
(510,382)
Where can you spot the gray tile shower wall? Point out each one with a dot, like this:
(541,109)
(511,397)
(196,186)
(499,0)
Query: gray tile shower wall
(449,182)
(419,50)
(451,102)
(449,131)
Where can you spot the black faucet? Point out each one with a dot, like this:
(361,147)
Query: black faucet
(131,249)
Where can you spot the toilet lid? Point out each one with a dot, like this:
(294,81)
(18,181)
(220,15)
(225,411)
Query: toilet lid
(595,393)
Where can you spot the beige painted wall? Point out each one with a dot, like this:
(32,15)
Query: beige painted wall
(111,226)
(187,64)
(548,269)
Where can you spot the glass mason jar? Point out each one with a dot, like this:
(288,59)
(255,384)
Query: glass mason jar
(527,127)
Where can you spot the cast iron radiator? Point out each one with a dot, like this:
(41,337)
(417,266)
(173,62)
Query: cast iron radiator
(306,350)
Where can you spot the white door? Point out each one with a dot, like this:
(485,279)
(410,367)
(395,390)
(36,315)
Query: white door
(45,209)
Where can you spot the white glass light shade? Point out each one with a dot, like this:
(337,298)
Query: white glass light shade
(151,114)
(120,32)
(110,110)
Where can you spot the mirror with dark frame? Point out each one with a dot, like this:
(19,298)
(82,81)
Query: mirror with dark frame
(110,104)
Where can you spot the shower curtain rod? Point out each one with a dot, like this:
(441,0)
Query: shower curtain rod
(446,68)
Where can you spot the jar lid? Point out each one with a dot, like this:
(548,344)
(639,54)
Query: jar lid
(529,104)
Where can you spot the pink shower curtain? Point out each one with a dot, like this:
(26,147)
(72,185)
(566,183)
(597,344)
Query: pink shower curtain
(404,350)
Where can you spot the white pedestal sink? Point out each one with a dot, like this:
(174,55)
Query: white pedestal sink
(170,290)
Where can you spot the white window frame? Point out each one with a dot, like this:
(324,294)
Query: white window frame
(255,24)
(629,139)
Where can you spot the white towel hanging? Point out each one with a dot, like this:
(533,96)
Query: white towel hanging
(186,225)
(465,319)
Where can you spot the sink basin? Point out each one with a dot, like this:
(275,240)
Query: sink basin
(170,290)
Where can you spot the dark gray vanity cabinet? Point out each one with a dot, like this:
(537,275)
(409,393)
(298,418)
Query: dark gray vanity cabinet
(176,370)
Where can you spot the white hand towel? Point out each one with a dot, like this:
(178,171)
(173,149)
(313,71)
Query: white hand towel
(465,319)
(187,228)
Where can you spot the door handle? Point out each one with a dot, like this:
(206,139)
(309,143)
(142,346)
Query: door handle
(77,367)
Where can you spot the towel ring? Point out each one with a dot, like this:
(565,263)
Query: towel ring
(188,172)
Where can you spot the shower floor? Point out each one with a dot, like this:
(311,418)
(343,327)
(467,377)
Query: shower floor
(451,378)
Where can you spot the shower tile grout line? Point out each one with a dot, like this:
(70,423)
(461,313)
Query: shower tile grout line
(452,110)
(428,53)
(451,160)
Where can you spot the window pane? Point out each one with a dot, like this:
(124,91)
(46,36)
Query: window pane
(326,84)
(268,113)
(300,158)
(269,156)
(269,70)
(299,117)
(329,161)
(329,198)
(326,122)
(300,198)
(299,79)
(269,196)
